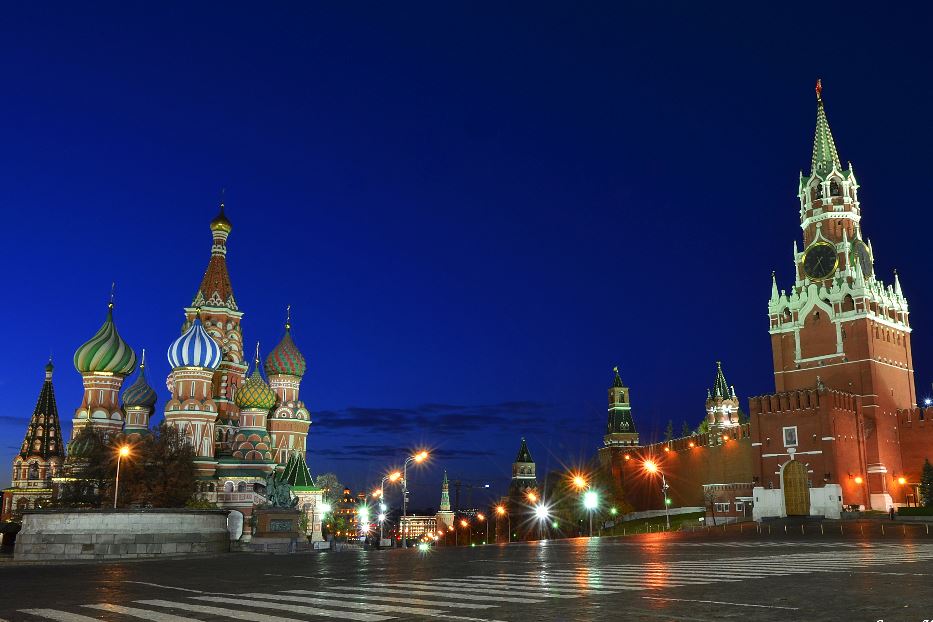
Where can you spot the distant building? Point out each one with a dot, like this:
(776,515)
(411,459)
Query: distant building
(445,517)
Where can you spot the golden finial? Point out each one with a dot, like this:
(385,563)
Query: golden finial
(113,287)
(615,369)
(288,317)
(257,354)
(142,363)
(819,90)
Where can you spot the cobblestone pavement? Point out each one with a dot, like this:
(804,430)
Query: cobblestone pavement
(656,577)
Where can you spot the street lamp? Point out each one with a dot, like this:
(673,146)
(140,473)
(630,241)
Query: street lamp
(542,512)
(392,477)
(590,502)
(482,518)
(121,453)
(500,511)
(652,467)
(419,457)
(465,524)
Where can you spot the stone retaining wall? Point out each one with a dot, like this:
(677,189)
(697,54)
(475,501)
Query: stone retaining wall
(120,534)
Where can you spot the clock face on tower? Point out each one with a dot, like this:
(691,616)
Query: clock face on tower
(862,256)
(820,261)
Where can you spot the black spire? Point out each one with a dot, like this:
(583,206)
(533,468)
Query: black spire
(44,434)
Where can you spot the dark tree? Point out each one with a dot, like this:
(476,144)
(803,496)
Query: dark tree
(159,472)
(685,431)
(926,485)
(669,431)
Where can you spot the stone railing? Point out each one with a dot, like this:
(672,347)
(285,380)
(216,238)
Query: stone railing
(120,534)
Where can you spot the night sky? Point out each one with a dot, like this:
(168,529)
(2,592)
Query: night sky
(475,210)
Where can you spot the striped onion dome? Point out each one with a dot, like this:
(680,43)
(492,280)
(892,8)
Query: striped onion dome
(255,393)
(140,393)
(195,348)
(286,358)
(106,351)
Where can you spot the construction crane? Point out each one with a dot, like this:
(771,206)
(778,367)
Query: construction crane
(470,485)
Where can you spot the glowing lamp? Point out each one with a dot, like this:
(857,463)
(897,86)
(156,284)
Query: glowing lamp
(463,523)
(590,500)
(532,497)
(667,449)
(395,476)
(858,480)
(901,480)
(690,444)
(650,466)
(541,511)
(125,451)
(579,482)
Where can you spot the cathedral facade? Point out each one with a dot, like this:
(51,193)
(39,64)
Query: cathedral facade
(842,429)
(243,427)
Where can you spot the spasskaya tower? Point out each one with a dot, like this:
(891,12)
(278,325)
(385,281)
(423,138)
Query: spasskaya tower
(840,323)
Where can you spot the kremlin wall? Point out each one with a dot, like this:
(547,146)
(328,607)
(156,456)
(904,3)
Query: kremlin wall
(842,430)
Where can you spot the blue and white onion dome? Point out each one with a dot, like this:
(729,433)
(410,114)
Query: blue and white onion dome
(195,348)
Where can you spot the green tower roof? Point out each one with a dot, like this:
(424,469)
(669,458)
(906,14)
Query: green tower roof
(523,454)
(825,157)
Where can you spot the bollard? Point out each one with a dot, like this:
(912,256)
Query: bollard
(905,530)
(801,529)
(785,528)
(821,530)
(882,529)
(861,529)
(928,529)
(840,529)
(769,530)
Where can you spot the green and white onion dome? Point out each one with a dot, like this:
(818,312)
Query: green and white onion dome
(106,351)
(140,393)
(255,393)
(195,348)
(286,359)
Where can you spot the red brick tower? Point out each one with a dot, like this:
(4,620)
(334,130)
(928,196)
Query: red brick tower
(840,340)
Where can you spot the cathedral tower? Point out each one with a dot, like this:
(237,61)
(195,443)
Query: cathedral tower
(216,307)
(722,406)
(139,401)
(252,446)
(104,361)
(40,457)
(194,358)
(285,366)
(620,428)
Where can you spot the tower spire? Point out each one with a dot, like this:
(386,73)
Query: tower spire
(825,157)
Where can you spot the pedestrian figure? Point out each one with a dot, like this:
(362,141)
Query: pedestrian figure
(891,512)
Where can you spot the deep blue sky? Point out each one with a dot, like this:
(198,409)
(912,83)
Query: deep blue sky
(475,210)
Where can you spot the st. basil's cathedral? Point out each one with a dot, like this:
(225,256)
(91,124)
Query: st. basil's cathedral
(241,426)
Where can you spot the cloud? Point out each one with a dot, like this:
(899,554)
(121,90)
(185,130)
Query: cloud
(355,452)
(10,419)
(440,418)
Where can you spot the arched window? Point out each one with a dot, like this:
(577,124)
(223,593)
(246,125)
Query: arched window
(241,487)
(834,189)
(33,470)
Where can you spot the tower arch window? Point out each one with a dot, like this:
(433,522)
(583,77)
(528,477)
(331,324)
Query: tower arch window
(816,192)
(33,470)
(847,303)
(834,189)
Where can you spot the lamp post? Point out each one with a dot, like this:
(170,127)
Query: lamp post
(590,502)
(121,453)
(500,511)
(653,468)
(482,518)
(464,523)
(419,458)
(392,477)
(542,513)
